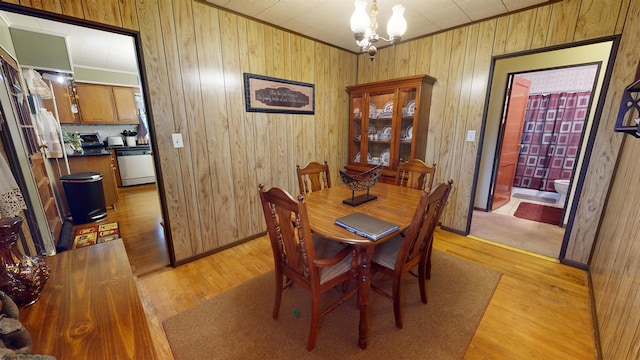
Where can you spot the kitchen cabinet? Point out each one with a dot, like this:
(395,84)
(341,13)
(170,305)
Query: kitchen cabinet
(388,123)
(96,104)
(125,102)
(106,104)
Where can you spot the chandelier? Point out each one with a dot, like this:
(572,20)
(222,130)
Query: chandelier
(364,27)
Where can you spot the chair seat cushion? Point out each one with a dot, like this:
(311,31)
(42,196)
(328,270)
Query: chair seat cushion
(326,248)
(386,254)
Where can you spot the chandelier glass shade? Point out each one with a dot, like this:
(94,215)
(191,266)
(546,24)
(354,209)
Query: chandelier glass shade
(365,26)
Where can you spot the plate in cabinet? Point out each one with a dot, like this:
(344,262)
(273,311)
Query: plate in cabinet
(384,157)
(388,107)
(408,133)
(411,107)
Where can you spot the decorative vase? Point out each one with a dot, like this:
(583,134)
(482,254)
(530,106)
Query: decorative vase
(22,277)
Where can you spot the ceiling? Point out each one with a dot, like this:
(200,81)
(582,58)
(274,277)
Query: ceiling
(87,47)
(329,20)
(105,50)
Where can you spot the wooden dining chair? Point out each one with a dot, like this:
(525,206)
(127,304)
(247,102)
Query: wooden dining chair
(416,174)
(401,254)
(314,263)
(313,177)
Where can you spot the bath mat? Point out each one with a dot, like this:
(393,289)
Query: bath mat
(540,213)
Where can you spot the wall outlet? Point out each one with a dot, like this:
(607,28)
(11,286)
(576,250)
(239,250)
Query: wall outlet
(176,139)
(471,135)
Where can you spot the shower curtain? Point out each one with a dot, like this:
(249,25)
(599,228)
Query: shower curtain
(551,138)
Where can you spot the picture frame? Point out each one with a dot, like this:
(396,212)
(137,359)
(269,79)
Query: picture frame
(272,95)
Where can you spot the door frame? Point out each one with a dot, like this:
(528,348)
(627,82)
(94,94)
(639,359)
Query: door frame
(137,40)
(542,58)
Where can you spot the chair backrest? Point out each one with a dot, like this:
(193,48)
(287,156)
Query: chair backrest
(289,232)
(419,236)
(313,177)
(416,174)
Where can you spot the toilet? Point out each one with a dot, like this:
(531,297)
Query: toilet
(561,186)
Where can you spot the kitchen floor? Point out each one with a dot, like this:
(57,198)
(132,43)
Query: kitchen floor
(138,214)
(501,227)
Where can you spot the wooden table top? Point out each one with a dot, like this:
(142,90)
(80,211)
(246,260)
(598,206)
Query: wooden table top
(90,307)
(394,204)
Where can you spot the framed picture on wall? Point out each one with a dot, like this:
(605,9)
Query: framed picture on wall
(273,95)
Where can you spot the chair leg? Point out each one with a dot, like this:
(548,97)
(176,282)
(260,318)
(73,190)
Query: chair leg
(428,272)
(397,310)
(278,296)
(315,316)
(422,270)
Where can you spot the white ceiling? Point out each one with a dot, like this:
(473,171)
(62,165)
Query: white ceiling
(326,20)
(87,47)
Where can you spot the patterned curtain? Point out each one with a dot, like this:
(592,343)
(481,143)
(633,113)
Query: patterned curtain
(551,138)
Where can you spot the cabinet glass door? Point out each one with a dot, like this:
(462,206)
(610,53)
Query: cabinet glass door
(355,143)
(407,113)
(380,127)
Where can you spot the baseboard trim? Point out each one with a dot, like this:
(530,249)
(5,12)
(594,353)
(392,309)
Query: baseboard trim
(594,317)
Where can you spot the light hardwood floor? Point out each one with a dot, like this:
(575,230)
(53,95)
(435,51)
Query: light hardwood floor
(540,309)
(138,214)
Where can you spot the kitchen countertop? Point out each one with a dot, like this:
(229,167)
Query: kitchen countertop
(91,153)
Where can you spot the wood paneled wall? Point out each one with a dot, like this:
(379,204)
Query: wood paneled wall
(199,55)
(194,58)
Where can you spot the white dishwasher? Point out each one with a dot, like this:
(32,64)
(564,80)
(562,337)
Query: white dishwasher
(135,165)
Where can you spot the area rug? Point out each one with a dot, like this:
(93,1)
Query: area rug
(95,234)
(238,324)
(540,213)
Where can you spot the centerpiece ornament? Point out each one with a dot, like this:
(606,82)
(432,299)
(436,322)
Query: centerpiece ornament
(361,182)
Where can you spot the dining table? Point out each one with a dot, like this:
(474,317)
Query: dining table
(395,204)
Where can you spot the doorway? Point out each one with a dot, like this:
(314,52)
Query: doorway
(134,235)
(500,226)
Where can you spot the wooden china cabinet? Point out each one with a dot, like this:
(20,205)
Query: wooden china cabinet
(388,123)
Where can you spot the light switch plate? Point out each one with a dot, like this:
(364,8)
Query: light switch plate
(471,135)
(176,139)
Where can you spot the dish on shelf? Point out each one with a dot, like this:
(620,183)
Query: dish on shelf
(357,158)
(411,107)
(384,157)
(372,109)
(408,133)
(385,114)
(372,129)
(386,130)
(388,107)
(356,112)
(374,160)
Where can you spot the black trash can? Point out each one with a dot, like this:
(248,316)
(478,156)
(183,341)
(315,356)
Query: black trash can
(85,197)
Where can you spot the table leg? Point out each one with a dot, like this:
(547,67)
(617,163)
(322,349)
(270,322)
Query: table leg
(364,287)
